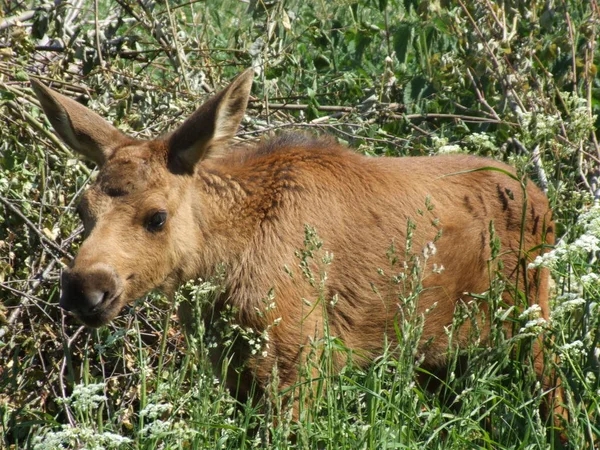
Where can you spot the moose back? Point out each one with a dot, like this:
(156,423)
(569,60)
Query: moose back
(173,209)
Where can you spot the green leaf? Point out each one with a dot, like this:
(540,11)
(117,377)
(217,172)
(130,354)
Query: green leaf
(21,75)
(402,40)
(321,62)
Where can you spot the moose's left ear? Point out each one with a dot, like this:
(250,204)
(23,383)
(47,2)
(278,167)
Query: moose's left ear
(211,125)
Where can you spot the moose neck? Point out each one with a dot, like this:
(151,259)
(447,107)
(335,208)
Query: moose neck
(230,208)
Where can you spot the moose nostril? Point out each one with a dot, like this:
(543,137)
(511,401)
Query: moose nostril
(95,297)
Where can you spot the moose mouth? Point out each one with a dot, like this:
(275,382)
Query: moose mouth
(103,313)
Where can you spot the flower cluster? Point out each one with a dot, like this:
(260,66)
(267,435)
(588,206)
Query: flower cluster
(78,437)
(482,141)
(155,410)
(87,396)
(441,145)
(588,242)
(534,324)
(565,304)
(84,398)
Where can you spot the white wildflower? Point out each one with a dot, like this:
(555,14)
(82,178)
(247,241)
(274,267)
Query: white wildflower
(590,280)
(533,310)
(438,269)
(587,243)
(86,396)
(450,149)
(533,326)
(546,125)
(572,304)
(429,250)
(574,344)
(548,259)
(156,429)
(482,141)
(155,410)
(590,378)
(78,437)
(573,350)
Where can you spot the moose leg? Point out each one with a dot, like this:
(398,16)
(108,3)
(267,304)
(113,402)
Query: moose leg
(554,403)
(290,370)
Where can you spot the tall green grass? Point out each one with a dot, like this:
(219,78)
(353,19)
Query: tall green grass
(170,394)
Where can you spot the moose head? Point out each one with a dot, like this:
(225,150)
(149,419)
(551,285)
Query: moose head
(140,214)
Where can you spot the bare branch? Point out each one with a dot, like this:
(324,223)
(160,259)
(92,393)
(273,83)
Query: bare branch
(35,229)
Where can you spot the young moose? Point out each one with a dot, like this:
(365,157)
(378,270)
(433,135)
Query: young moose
(169,210)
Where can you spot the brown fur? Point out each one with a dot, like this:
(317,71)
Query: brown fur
(247,209)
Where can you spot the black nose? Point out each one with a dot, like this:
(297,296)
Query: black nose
(85,290)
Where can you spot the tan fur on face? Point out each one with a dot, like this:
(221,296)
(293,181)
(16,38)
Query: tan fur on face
(247,209)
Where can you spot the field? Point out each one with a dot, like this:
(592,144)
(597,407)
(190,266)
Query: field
(515,81)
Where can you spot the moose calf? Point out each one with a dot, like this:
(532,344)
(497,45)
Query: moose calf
(169,210)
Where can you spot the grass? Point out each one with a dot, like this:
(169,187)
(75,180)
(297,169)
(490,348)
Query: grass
(513,81)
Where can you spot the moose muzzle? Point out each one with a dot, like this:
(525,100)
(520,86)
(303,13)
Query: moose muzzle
(89,292)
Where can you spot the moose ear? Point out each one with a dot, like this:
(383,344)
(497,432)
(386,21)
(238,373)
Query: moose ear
(82,129)
(210,126)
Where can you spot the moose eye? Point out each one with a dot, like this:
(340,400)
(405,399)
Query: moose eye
(156,221)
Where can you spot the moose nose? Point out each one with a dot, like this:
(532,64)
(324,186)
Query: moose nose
(84,291)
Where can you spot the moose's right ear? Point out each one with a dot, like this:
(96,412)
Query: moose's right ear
(82,129)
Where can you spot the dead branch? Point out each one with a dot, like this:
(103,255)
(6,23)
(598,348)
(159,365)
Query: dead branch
(35,229)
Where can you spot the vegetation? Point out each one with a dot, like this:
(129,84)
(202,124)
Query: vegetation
(514,80)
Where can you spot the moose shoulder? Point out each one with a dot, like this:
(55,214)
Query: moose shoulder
(169,210)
